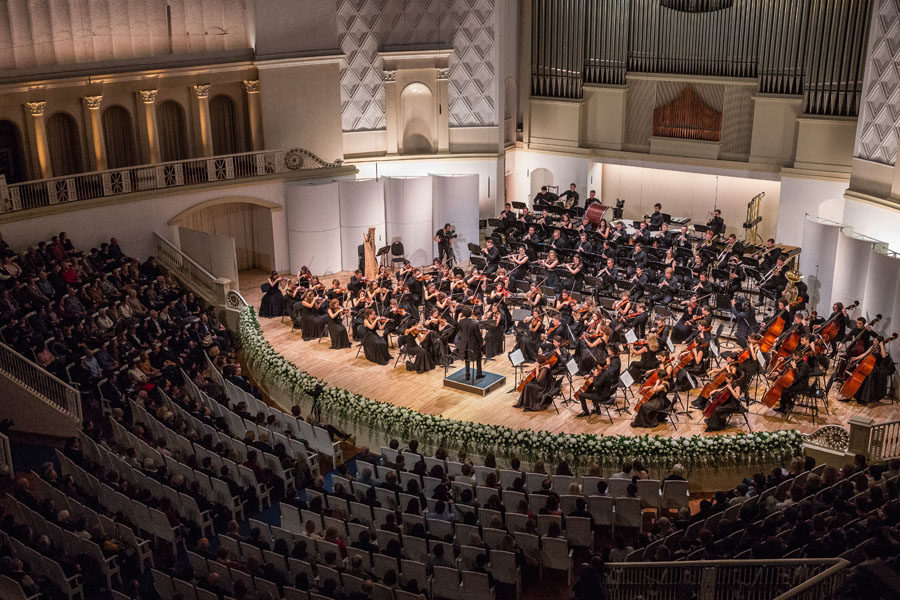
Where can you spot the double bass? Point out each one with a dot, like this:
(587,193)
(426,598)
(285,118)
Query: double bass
(774,331)
(863,369)
(854,343)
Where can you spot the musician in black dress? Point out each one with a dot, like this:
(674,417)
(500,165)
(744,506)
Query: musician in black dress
(520,259)
(272,303)
(653,412)
(418,345)
(875,386)
(726,401)
(336,329)
(648,359)
(375,346)
(576,270)
(532,395)
(312,323)
(494,330)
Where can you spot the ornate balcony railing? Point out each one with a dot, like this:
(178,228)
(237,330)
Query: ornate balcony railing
(190,273)
(115,182)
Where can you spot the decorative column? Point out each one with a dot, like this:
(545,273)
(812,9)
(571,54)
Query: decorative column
(443,120)
(391,109)
(148,98)
(36,110)
(254,109)
(201,92)
(93,105)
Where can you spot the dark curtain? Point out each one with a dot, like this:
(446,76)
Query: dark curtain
(118,136)
(11,164)
(172,131)
(64,144)
(223,122)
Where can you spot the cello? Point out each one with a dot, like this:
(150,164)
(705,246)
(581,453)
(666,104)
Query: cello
(550,362)
(785,380)
(830,328)
(680,362)
(863,369)
(775,329)
(716,382)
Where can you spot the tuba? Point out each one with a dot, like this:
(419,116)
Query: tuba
(791,292)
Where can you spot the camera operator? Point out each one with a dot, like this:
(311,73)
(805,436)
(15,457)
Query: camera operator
(444,238)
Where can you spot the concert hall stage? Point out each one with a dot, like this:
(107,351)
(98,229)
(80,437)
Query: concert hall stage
(482,387)
(427,393)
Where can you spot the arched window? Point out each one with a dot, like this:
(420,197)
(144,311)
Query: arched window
(11,164)
(64,144)
(118,135)
(226,135)
(172,131)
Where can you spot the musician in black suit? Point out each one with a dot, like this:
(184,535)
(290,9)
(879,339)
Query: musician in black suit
(607,276)
(491,257)
(544,197)
(717,223)
(570,194)
(592,197)
(469,342)
(656,217)
(583,245)
(745,320)
(558,241)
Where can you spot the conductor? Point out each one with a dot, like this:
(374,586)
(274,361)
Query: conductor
(469,341)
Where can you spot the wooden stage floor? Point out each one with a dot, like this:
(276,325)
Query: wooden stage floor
(427,394)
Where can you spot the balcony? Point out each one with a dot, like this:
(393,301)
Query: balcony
(30,195)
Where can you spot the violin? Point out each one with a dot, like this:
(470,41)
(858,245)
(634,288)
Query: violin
(549,363)
(830,328)
(863,369)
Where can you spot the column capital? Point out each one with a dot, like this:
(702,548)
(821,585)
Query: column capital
(201,91)
(251,86)
(92,102)
(389,76)
(443,73)
(36,109)
(148,96)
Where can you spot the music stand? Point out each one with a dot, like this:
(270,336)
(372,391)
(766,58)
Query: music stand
(625,383)
(519,205)
(474,249)
(517,360)
(571,371)
(382,253)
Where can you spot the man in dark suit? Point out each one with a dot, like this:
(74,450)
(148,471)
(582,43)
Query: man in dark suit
(469,342)
(491,257)
(717,223)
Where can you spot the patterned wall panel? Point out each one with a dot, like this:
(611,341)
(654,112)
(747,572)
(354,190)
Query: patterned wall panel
(879,115)
(737,119)
(367,26)
(639,104)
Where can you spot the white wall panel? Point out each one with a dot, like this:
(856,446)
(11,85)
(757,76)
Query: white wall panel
(361,207)
(408,214)
(314,220)
(881,283)
(455,201)
(850,267)
(819,242)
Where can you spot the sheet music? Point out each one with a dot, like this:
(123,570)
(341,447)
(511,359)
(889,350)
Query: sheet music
(626,379)
(714,347)
(630,336)
(572,366)
(670,345)
(516,357)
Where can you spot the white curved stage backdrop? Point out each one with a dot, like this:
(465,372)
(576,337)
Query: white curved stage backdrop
(362,206)
(455,201)
(314,227)
(408,208)
(327,221)
(820,240)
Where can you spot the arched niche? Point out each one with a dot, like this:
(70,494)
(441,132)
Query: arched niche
(540,177)
(12,163)
(418,120)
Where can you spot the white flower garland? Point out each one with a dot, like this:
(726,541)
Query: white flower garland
(725,450)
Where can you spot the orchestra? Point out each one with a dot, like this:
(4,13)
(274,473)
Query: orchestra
(596,294)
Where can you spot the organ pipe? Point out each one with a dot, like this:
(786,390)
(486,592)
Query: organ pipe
(813,48)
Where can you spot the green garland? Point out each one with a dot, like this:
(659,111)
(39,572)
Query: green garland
(697,451)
